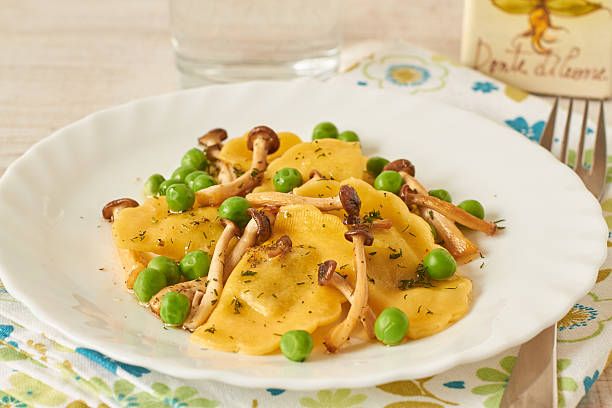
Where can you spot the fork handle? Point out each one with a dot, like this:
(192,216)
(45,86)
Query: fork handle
(533,383)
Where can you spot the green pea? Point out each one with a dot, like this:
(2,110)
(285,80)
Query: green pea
(391,326)
(163,187)
(440,264)
(194,158)
(234,209)
(148,283)
(348,136)
(389,181)
(202,181)
(151,186)
(287,179)
(174,308)
(180,173)
(473,207)
(180,197)
(189,179)
(325,130)
(441,194)
(167,266)
(296,345)
(375,165)
(195,264)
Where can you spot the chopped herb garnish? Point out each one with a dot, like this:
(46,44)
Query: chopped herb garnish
(481,265)
(407,226)
(300,283)
(371,280)
(423,280)
(396,255)
(371,216)
(237,305)
(431,214)
(211,330)
(372,253)
(248,273)
(274,296)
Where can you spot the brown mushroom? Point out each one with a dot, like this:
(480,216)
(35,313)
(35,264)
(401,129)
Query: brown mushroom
(280,247)
(263,141)
(449,236)
(328,276)
(132,261)
(338,335)
(448,210)
(257,231)
(347,199)
(207,295)
(213,141)
(401,166)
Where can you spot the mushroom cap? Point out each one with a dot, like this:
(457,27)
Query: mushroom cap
(280,247)
(264,228)
(350,201)
(120,203)
(401,165)
(326,271)
(268,134)
(368,238)
(213,137)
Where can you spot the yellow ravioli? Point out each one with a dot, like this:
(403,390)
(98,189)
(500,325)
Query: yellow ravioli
(235,151)
(279,294)
(331,157)
(151,228)
(412,237)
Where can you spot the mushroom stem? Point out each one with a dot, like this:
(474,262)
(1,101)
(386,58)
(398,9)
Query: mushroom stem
(263,141)
(226,173)
(346,199)
(328,276)
(276,198)
(338,335)
(132,261)
(204,303)
(461,248)
(258,230)
(450,211)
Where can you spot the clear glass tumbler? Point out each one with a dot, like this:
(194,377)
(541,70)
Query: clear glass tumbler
(238,40)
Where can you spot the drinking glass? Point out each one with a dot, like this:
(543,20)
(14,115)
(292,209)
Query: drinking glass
(238,40)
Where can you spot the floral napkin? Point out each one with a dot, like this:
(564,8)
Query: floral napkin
(41,367)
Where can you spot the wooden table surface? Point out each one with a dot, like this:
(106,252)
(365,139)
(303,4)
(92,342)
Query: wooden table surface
(61,60)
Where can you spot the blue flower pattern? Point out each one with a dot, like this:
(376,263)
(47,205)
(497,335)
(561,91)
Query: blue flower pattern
(455,384)
(589,381)
(5,331)
(111,364)
(418,75)
(275,391)
(533,132)
(484,87)
(9,401)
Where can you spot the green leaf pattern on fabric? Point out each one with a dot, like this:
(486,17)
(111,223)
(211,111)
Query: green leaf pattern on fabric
(35,392)
(341,398)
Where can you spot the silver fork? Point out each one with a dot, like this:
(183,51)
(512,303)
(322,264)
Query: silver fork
(533,383)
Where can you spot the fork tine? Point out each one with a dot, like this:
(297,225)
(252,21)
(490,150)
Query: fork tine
(549,130)
(599,167)
(563,156)
(579,166)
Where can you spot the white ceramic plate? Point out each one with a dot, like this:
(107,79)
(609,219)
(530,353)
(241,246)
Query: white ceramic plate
(53,241)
